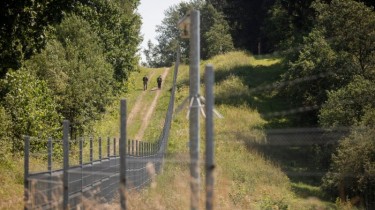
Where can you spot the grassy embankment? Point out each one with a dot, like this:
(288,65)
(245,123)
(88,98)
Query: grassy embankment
(246,178)
(11,170)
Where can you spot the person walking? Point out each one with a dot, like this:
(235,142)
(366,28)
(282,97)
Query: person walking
(145,80)
(159,80)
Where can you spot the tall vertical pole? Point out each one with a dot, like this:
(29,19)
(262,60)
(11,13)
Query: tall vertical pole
(194,111)
(123,154)
(66,164)
(49,167)
(26,172)
(210,146)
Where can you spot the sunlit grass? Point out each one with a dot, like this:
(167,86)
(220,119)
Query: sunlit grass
(244,178)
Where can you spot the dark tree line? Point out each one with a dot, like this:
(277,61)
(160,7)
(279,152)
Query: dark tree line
(260,25)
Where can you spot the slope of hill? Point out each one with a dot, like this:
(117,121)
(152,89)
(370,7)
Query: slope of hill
(245,178)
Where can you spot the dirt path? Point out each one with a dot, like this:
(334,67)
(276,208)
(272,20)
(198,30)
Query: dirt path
(138,103)
(148,110)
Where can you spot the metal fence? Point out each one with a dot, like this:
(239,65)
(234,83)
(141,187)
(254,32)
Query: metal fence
(77,170)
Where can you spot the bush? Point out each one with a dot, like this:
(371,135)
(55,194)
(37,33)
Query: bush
(31,107)
(352,173)
(5,143)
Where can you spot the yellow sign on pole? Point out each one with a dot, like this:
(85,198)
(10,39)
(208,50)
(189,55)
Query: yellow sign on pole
(184,26)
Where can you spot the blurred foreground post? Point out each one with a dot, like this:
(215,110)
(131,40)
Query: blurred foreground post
(66,164)
(194,109)
(123,154)
(210,146)
(26,172)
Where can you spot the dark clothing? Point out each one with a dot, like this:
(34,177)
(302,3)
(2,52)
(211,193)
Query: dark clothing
(159,80)
(145,80)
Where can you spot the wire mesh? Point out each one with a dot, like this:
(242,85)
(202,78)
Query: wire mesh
(94,167)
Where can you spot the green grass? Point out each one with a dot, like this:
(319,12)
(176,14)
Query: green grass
(246,178)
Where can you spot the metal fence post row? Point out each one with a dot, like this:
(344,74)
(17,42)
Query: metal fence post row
(210,147)
(123,154)
(66,164)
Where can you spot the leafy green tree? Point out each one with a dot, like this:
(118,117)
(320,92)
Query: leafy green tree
(75,68)
(348,105)
(118,26)
(246,19)
(152,58)
(311,74)
(31,107)
(215,36)
(350,28)
(330,56)
(169,35)
(23,26)
(352,173)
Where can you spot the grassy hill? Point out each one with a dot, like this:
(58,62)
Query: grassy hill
(245,177)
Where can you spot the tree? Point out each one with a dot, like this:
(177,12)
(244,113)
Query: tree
(75,68)
(352,173)
(246,19)
(215,37)
(23,26)
(350,28)
(331,56)
(349,105)
(31,107)
(311,75)
(118,26)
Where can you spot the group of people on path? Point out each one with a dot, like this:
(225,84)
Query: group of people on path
(145,81)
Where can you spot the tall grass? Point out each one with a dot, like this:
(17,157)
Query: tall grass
(244,177)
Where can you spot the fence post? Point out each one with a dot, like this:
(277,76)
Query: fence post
(123,154)
(91,150)
(210,147)
(100,148)
(114,147)
(136,148)
(81,163)
(49,148)
(194,109)
(26,172)
(66,164)
(132,147)
(108,147)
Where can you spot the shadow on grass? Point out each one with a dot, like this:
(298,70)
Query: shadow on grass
(306,191)
(299,162)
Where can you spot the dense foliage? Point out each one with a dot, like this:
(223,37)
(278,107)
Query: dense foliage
(334,68)
(63,60)
(214,33)
(23,26)
(352,173)
(31,107)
